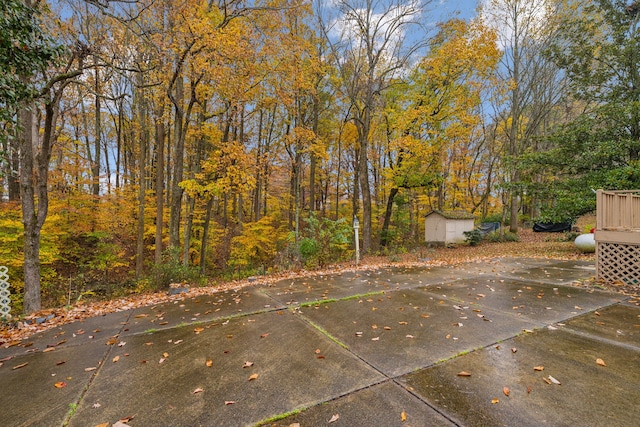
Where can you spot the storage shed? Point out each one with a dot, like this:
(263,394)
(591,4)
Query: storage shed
(447,227)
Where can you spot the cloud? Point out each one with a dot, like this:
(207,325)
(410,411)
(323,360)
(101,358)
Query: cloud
(516,20)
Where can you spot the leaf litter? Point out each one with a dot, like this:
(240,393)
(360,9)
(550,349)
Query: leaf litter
(531,244)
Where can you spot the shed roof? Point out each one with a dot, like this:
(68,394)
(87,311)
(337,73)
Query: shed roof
(452,214)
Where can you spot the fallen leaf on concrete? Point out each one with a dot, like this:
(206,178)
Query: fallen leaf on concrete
(600,362)
(229,402)
(60,384)
(264,335)
(96,405)
(115,359)
(294,425)
(464,374)
(93,368)
(247,364)
(375,339)
(506,391)
(198,330)
(198,390)
(403,416)
(553,380)
(22,365)
(209,363)
(253,377)
(102,425)
(494,401)
(538,368)
(334,418)
(514,350)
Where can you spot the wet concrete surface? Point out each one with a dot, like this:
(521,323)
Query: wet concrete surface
(382,347)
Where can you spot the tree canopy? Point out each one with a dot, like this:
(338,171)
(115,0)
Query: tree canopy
(174,140)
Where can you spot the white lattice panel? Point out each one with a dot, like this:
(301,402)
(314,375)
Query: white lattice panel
(5,301)
(618,262)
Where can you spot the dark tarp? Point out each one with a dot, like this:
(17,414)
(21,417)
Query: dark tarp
(488,227)
(551,227)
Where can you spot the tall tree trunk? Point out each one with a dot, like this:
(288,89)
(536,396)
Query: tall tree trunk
(190,206)
(142,115)
(178,167)
(313,160)
(365,188)
(159,188)
(95,166)
(30,183)
(205,237)
(34,174)
(384,233)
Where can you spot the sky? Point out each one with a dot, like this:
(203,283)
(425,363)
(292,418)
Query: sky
(448,8)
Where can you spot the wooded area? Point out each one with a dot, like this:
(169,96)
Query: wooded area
(150,141)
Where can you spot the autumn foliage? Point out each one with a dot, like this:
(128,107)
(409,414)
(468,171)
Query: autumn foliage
(188,140)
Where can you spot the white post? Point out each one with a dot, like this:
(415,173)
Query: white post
(356,227)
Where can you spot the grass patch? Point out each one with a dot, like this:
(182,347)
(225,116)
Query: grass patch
(317,303)
(329,300)
(328,335)
(278,417)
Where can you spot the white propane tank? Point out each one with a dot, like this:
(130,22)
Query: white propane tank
(586,242)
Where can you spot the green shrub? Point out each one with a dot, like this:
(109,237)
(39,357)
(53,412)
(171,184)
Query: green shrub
(173,270)
(325,241)
(473,237)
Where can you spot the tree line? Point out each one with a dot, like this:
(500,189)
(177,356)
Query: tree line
(151,141)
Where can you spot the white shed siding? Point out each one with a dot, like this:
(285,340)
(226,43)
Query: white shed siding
(443,230)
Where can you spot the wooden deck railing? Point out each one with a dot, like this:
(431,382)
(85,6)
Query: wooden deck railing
(618,236)
(618,210)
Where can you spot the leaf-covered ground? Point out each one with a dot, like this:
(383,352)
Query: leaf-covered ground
(538,245)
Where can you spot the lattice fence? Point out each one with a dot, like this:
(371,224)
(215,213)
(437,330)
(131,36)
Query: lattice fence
(5,301)
(618,262)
